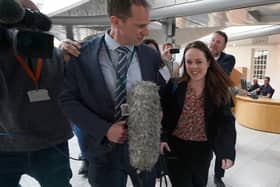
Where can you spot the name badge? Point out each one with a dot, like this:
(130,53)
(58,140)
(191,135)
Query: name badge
(125,109)
(38,95)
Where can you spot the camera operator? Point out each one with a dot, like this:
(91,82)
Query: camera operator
(33,130)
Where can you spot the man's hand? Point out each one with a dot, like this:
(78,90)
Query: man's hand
(117,133)
(70,47)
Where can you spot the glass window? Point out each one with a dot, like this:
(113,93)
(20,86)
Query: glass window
(259,63)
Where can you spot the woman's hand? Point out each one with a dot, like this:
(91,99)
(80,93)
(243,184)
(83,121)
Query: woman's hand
(164,146)
(227,163)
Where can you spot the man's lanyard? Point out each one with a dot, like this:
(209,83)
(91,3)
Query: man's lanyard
(34,77)
(110,58)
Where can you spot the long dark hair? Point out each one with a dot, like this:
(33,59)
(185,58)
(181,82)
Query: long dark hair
(217,82)
(151,41)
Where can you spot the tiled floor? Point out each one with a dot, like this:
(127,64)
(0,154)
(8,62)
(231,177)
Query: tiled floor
(257,162)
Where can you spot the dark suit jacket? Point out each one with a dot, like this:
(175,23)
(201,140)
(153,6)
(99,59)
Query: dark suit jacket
(227,62)
(219,122)
(86,99)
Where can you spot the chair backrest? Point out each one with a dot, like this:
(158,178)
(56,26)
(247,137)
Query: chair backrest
(272,93)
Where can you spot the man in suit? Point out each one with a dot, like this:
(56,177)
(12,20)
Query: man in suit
(217,45)
(92,82)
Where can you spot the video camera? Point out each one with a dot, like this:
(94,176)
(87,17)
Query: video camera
(21,29)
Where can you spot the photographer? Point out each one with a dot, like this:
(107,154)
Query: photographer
(33,130)
(167,56)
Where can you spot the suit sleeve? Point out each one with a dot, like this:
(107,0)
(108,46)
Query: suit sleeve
(76,109)
(228,64)
(226,134)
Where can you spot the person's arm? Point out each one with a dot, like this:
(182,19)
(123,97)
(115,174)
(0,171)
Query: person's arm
(75,106)
(226,137)
(270,92)
(254,90)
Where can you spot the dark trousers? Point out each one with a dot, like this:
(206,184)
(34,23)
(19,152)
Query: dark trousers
(219,171)
(189,163)
(49,167)
(111,168)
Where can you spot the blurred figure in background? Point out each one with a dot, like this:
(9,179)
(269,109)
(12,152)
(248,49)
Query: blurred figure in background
(169,60)
(266,90)
(254,86)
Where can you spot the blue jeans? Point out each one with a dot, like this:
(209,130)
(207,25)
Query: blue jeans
(50,167)
(81,140)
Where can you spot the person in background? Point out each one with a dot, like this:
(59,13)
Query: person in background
(226,61)
(169,60)
(152,43)
(197,119)
(164,72)
(81,142)
(95,88)
(34,132)
(217,45)
(254,86)
(266,90)
(71,47)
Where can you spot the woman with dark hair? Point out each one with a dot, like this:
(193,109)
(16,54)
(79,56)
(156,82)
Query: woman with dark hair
(197,119)
(164,71)
(153,44)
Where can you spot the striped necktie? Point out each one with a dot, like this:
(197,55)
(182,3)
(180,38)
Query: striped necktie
(120,90)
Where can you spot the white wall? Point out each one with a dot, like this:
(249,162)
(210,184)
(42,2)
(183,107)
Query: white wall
(243,55)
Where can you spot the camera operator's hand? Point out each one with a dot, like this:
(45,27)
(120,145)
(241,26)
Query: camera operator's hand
(70,47)
(28,4)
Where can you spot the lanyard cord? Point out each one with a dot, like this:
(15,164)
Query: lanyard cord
(33,76)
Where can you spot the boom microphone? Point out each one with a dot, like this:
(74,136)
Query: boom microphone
(11,11)
(144,125)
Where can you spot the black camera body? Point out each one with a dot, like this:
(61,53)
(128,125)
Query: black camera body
(34,44)
(32,19)
(27,43)
(21,30)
